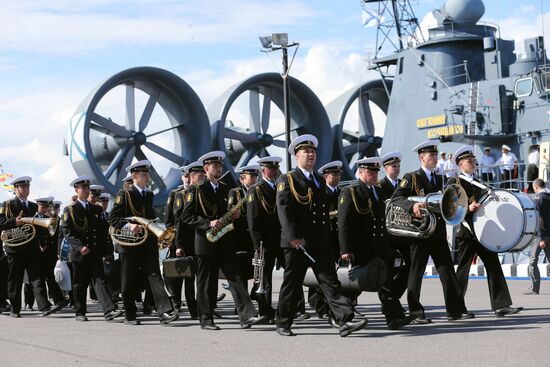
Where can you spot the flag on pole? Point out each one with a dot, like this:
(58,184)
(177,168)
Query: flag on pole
(371,18)
(3,178)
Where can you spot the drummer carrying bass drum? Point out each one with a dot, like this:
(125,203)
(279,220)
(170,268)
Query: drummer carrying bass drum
(467,244)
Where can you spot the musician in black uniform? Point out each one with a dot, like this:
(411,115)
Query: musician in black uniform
(48,248)
(302,208)
(362,234)
(138,201)
(332,173)
(264,226)
(174,285)
(185,237)
(467,244)
(248,175)
(127,182)
(205,204)
(23,257)
(392,169)
(420,183)
(83,230)
(94,198)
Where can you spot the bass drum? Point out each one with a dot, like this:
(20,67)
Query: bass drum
(506,221)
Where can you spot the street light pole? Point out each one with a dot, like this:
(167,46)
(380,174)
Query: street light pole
(286,98)
(281,40)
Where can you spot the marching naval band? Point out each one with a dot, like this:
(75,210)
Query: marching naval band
(379,233)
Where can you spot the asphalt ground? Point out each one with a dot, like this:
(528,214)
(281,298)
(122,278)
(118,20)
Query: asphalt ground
(521,339)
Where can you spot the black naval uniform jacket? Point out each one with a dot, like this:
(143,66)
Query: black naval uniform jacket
(417,184)
(361,223)
(332,202)
(171,209)
(44,241)
(202,205)
(474,193)
(83,227)
(10,210)
(303,210)
(261,213)
(243,241)
(130,203)
(185,234)
(387,188)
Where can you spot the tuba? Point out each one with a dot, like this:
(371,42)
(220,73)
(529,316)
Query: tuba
(24,234)
(126,238)
(452,204)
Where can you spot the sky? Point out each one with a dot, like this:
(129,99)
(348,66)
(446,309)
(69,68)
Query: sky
(53,52)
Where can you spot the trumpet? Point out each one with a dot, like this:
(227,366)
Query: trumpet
(24,234)
(127,238)
(259,264)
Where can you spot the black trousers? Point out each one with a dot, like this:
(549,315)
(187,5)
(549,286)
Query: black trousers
(54,292)
(291,289)
(174,287)
(498,289)
(506,178)
(130,265)
(401,244)
(532,174)
(208,267)
(265,300)
(441,255)
(487,177)
(4,271)
(85,273)
(112,275)
(18,263)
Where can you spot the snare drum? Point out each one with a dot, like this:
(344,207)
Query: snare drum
(506,221)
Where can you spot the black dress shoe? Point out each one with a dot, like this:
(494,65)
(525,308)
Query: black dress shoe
(530,292)
(59,306)
(167,318)
(81,318)
(5,308)
(216,315)
(462,316)
(220,297)
(420,320)
(398,323)
(350,327)
(15,315)
(300,316)
(254,320)
(110,316)
(132,322)
(333,323)
(285,331)
(47,311)
(210,327)
(501,312)
(359,314)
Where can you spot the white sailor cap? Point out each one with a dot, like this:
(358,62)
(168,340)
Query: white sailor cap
(23,180)
(105,197)
(194,167)
(487,149)
(504,146)
(391,158)
(57,203)
(81,180)
(271,161)
(182,169)
(128,178)
(251,170)
(139,166)
(370,163)
(429,146)
(216,156)
(331,167)
(96,189)
(48,200)
(303,141)
(466,151)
